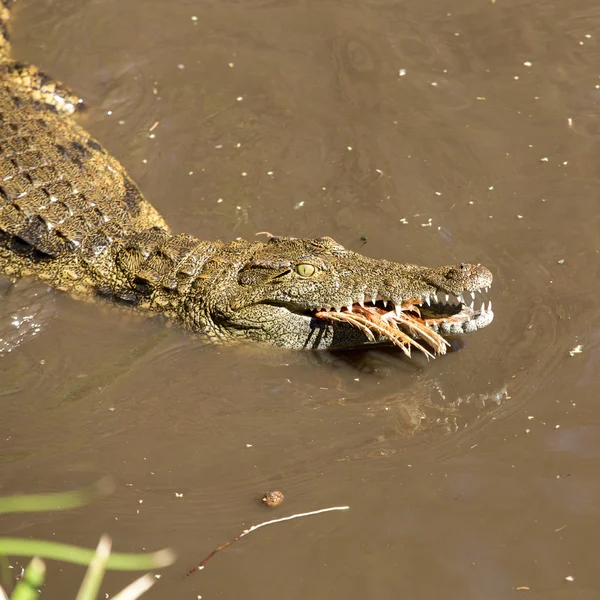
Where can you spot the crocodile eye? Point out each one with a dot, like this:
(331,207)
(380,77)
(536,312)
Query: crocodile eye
(305,270)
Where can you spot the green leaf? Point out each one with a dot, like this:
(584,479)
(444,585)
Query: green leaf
(33,579)
(135,589)
(59,501)
(90,586)
(83,556)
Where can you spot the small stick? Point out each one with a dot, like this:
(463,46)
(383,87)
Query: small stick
(255,527)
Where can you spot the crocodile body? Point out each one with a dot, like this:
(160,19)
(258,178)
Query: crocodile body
(72,217)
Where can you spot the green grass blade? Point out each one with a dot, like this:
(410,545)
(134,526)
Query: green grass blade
(83,556)
(136,589)
(33,579)
(5,573)
(90,586)
(59,501)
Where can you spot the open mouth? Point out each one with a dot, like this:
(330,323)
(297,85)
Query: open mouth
(409,322)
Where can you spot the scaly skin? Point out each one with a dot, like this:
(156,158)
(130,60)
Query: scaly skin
(71,216)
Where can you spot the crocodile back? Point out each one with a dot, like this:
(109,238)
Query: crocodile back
(61,193)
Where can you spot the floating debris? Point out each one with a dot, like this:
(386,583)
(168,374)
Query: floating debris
(255,527)
(577,350)
(273,499)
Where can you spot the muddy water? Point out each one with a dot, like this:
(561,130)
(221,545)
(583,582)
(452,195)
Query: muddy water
(439,132)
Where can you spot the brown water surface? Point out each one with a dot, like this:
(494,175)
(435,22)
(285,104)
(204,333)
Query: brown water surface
(440,131)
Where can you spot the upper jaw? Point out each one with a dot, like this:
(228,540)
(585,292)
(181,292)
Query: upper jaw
(396,285)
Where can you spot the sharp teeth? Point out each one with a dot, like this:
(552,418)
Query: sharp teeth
(490,306)
(397,309)
(349,307)
(460,299)
(384,303)
(482,309)
(472,305)
(427,301)
(473,295)
(436,298)
(447,298)
(486,290)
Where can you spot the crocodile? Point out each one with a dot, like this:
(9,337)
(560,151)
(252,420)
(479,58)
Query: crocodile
(71,216)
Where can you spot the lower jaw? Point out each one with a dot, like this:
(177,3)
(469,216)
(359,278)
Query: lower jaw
(466,320)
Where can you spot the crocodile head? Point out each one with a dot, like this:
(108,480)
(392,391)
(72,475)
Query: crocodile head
(274,295)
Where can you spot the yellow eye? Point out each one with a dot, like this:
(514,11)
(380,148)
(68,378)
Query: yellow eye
(305,270)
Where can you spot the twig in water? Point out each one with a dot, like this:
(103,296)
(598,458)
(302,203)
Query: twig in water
(255,527)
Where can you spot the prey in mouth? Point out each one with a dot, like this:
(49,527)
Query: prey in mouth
(417,322)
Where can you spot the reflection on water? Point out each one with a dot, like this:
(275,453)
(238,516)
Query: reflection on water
(411,131)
